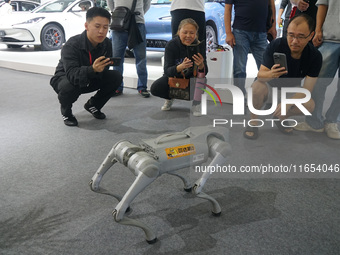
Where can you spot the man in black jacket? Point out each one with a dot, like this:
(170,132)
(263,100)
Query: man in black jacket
(303,66)
(84,68)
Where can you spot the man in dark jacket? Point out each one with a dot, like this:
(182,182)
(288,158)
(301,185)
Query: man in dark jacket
(84,68)
(303,66)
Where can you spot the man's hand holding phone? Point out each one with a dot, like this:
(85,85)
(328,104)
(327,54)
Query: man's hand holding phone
(100,63)
(278,71)
(280,65)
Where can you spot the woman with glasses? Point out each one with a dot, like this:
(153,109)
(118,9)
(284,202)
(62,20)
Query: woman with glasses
(181,57)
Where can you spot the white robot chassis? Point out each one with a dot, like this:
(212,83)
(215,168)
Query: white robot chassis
(165,154)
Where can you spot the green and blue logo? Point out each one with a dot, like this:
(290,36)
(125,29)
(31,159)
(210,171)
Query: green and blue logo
(204,97)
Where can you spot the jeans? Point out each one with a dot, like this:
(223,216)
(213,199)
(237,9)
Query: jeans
(119,44)
(331,63)
(245,41)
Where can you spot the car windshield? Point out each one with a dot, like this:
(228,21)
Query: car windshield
(57,6)
(103,4)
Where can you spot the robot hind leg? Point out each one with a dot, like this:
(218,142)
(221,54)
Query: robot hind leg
(187,184)
(150,235)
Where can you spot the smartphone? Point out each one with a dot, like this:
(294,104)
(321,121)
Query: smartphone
(191,51)
(115,61)
(280,58)
(307,1)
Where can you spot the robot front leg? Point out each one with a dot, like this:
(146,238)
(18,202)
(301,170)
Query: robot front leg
(198,186)
(144,178)
(108,162)
(219,150)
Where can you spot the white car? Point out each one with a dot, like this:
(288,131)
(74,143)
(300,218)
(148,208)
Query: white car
(48,26)
(22,5)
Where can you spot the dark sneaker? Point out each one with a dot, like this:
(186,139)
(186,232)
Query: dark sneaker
(117,93)
(70,120)
(144,93)
(94,111)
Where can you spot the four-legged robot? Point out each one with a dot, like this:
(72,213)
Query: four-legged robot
(165,154)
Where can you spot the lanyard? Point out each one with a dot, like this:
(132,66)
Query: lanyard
(90,56)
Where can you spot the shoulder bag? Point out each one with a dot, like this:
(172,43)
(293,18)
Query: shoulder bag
(121,17)
(179,88)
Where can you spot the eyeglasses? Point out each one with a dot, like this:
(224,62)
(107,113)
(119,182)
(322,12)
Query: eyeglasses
(299,37)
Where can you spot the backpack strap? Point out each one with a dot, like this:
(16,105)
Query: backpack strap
(133,7)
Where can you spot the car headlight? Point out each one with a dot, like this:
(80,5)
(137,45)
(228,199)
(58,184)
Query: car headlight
(31,21)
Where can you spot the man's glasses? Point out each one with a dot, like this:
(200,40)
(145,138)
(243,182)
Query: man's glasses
(291,36)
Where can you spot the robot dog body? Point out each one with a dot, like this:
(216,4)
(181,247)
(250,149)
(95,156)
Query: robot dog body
(165,154)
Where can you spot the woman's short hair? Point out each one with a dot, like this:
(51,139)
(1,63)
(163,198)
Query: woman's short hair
(188,21)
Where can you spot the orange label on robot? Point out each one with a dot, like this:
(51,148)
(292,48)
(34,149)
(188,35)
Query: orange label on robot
(180,151)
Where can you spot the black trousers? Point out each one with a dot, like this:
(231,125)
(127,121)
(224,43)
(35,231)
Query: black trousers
(68,93)
(160,87)
(178,15)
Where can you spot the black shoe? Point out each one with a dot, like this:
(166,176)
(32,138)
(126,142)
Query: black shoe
(117,93)
(70,120)
(94,111)
(144,93)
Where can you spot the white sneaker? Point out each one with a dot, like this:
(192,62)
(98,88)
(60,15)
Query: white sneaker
(332,130)
(196,110)
(167,105)
(304,126)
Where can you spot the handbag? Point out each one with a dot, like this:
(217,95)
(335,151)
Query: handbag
(179,88)
(121,17)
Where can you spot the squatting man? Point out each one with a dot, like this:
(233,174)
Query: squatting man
(303,62)
(84,68)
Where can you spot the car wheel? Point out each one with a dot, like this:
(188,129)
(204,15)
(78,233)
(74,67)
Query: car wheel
(14,46)
(52,37)
(211,37)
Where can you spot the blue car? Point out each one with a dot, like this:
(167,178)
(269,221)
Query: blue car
(158,24)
